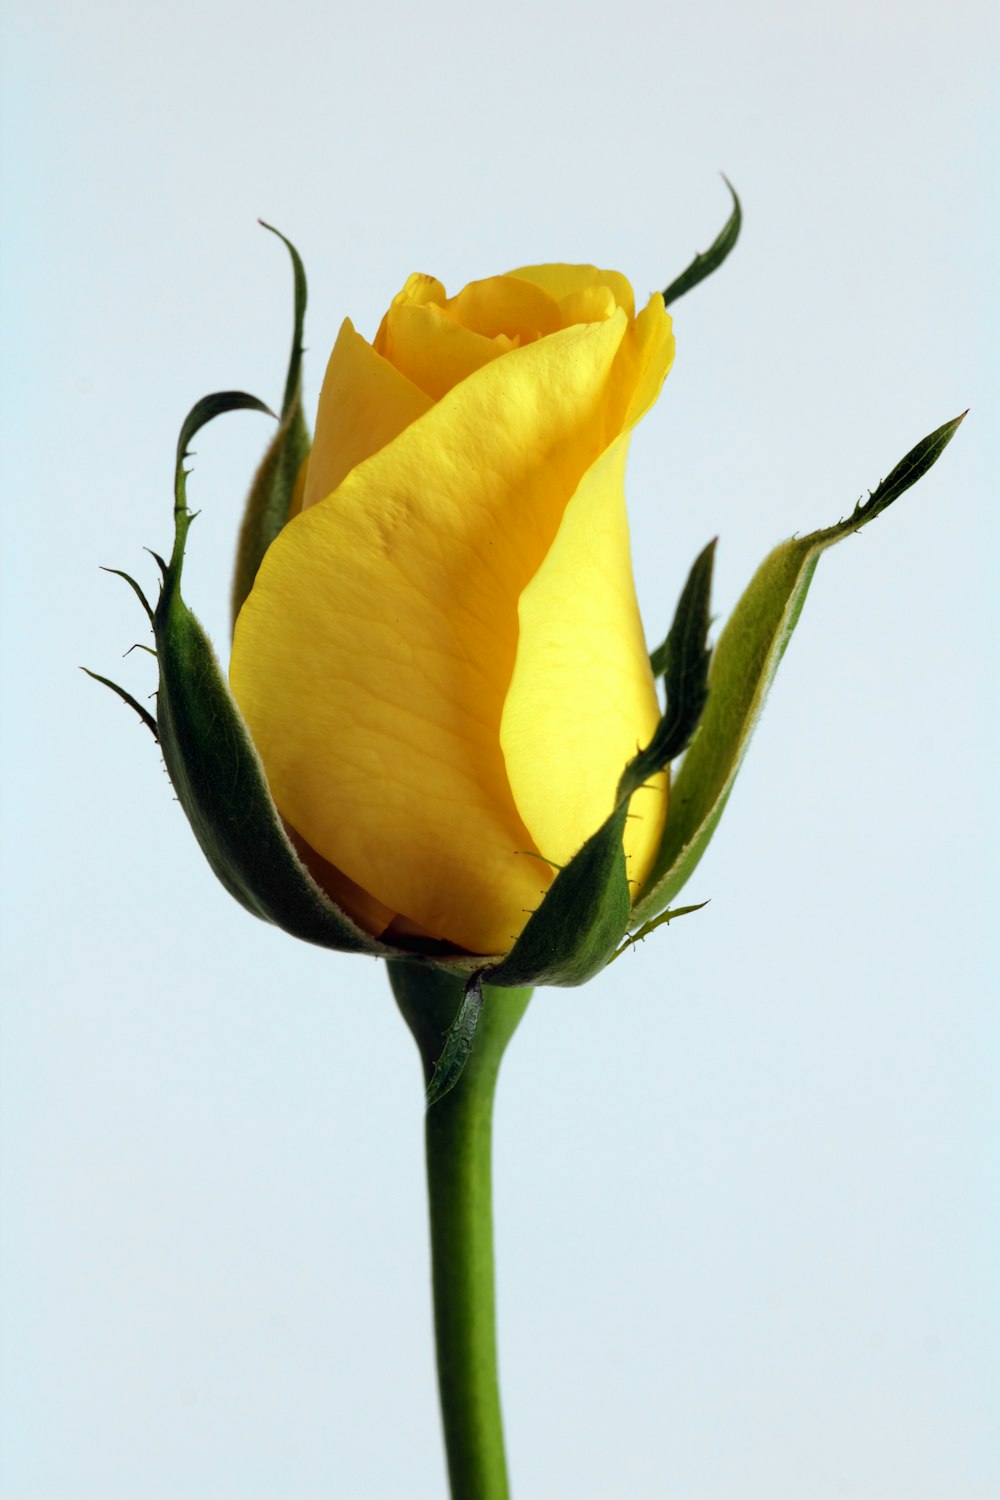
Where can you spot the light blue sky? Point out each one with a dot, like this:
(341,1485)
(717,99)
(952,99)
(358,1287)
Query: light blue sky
(746,1180)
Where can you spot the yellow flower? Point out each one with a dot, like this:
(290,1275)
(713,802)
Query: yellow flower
(441,661)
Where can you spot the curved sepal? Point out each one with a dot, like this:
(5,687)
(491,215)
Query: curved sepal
(587,909)
(272,492)
(447,1015)
(745,661)
(126,697)
(711,259)
(212,762)
(663,920)
(580,922)
(459,1040)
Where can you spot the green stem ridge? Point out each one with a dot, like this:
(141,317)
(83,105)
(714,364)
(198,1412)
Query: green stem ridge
(459,1128)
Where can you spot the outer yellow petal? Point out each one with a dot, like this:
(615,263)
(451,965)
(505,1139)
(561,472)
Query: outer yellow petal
(644,360)
(373,656)
(562,281)
(580,625)
(363,405)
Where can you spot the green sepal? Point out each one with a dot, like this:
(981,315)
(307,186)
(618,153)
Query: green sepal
(458,1042)
(212,762)
(447,1013)
(216,770)
(744,664)
(587,909)
(584,913)
(271,493)
(659,658)
(137,591)
(711,259)
(126,697)
(663,920)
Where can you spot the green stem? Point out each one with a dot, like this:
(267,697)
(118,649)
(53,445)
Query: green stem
(458,1140)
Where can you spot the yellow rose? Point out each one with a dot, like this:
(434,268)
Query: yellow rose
(441,661)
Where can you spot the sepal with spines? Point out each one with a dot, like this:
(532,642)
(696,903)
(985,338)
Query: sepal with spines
(213,763)
(588,907)
(273,493)
(745,661)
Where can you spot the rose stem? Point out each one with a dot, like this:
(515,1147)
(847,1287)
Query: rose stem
(458,1140)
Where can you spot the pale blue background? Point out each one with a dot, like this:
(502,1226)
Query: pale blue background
(747,1180)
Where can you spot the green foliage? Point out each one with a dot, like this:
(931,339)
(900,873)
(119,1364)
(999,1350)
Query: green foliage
(458,1041)
(685,676)
(711,259)
(271,493)
(663,920)
(133,703)
(745,661)
(582,917)
(441,1009)
(212,761)
(587,909)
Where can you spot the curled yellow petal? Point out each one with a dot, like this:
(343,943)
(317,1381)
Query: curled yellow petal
(644,360)
(591,304)
(365,403)
(562,281)
(506,305)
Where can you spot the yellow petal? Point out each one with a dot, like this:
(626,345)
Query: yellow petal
(434,352)
(562,281)
(506,305)
(359,905)
(419,290)
(579,624)
(363,405)
(591,304)
(644,360)
(373,656)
